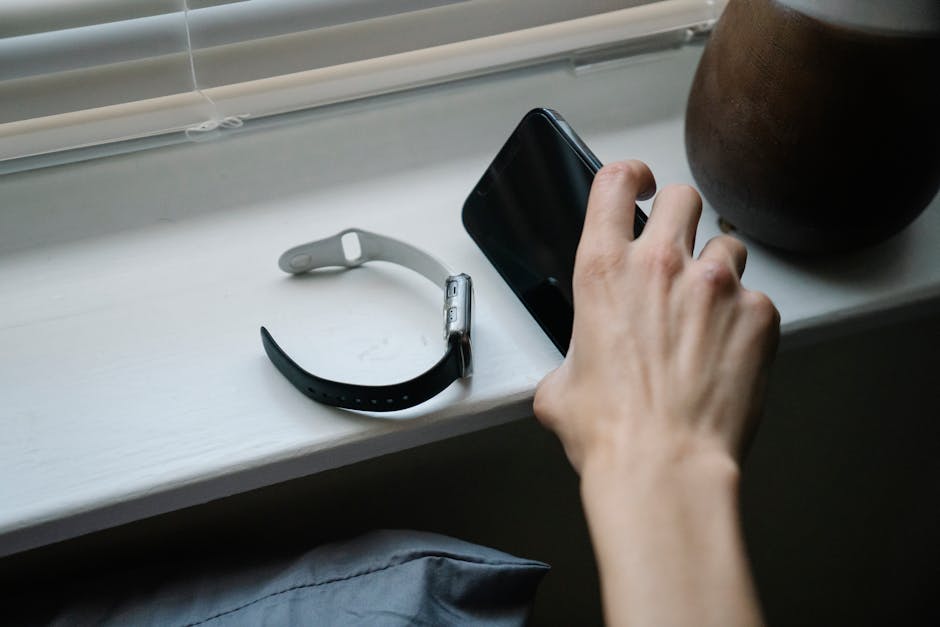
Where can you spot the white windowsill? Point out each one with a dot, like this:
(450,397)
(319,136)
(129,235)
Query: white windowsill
(132,377)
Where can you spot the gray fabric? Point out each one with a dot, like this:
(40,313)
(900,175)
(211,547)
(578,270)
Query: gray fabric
(381,578)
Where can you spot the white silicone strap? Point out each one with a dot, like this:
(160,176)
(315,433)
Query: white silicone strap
(328,252)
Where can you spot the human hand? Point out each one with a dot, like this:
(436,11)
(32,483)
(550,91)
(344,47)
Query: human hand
(669,354)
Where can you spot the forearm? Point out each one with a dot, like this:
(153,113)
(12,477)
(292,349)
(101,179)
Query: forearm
(667,535)
(662,380)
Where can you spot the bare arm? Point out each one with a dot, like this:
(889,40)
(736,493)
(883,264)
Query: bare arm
(662,382)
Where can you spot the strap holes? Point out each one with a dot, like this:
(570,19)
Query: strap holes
(359,400)
(374,402)
(342,398)
(404,397)
(390,400)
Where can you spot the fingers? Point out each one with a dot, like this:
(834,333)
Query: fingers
(765,316)
(726,250)
(611,205)
(674,217)
(761,324)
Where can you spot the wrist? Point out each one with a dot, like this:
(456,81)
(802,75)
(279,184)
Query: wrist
(664,519)
(659,464)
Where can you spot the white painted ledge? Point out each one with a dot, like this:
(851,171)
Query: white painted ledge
(132,377)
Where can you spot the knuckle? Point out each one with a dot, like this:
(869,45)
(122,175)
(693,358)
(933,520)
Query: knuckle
(664,259)
(716,276)
(620,171)
(762,309)
(732,245)
(683,192)
(598,262)
(737,245)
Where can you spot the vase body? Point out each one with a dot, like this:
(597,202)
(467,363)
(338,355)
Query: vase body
(813,133)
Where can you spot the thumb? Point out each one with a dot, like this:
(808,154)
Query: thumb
(549,397)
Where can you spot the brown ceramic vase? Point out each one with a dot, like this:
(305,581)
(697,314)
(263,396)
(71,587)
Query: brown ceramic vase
(818,130)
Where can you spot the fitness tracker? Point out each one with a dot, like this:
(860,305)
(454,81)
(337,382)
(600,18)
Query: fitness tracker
(458,295)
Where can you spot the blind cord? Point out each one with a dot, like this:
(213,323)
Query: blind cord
(201,131)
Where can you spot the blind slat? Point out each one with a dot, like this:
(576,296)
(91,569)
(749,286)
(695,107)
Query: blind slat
(267,76)
(146,36)
(27,17)
(461,59)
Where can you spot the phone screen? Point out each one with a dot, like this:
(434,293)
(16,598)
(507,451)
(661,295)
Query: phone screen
(527,212)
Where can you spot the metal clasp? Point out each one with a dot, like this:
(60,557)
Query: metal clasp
(458,309)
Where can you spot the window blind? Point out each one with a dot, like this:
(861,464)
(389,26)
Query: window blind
(85,77)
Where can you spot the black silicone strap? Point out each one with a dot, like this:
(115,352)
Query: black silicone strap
(367,397)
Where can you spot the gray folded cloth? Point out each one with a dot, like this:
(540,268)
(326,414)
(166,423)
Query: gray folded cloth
(388,577)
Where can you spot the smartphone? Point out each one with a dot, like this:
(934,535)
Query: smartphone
(526,214)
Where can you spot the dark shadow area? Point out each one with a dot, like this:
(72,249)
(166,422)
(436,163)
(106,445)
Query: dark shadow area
(840,503)
(839,498)
(509,487)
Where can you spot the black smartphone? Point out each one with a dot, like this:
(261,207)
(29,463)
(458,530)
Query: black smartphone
(526,214)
